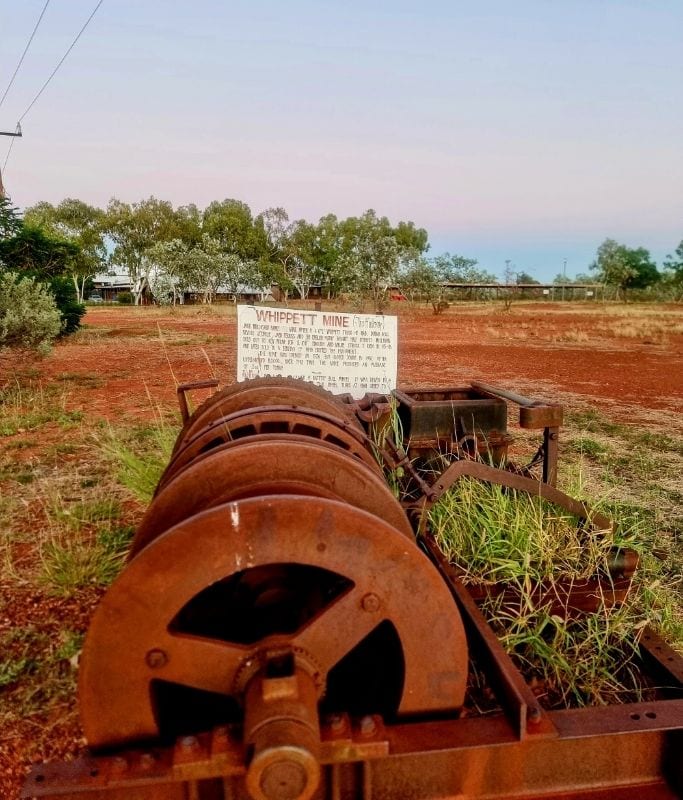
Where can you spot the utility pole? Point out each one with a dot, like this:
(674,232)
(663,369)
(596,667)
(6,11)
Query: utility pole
(564,276)
(17,132)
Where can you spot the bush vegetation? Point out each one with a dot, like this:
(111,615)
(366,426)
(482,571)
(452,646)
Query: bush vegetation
(29,317)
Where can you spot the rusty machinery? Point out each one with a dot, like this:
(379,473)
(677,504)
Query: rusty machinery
(286,628)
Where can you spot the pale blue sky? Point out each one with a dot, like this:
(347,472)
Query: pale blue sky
(525,130)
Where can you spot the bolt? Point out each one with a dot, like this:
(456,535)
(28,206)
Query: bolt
(146,761)
(189,743)
(119,764)
(370,603)
(367,726)
(221,732)
(336,723)
(156,659)
(534,715)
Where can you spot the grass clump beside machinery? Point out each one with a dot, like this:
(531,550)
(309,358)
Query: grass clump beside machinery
(496,537)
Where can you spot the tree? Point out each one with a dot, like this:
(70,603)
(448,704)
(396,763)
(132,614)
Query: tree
(79,223)
(673,272)
(280,249)
(459,269)
(624,267)
(33,251)
(203,268)
(48,259)
(410,238)
(29,317)
(293,250)
(524,277)
(327,247)
(134,229)
(371,256)
(430,278)
(421,277)
(10,220)
(168,280)
(230,222)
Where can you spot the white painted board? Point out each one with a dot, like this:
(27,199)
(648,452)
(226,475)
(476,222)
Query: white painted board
(355,353)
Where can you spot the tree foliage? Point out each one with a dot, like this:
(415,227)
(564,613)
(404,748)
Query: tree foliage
(673,272)
(10,220)
(430,278)
(135,228)
(624,267)
(33,253)
(29,317)
(80,224)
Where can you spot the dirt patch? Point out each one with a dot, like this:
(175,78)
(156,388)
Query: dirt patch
(521,348)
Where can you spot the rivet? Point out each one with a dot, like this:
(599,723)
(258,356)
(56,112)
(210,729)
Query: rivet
(336,723)
(119,764)
(367,726)
(146,761)
(189,742)
(370,603)
(156,659)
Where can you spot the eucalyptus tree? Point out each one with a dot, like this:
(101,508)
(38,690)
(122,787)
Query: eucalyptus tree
(372,252)
(79,223)
(624,267)
(230,222)
(134,229)
(673,272)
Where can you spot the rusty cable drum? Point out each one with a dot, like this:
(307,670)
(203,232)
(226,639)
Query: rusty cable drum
(144,630)
(260,392)
(317,425)
(266,465)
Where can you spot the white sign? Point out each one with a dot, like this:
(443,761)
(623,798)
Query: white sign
(355,353)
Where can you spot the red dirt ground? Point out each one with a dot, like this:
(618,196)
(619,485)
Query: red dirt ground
(528,348)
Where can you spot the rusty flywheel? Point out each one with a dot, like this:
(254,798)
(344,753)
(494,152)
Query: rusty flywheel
(266,421)
(260,466)
(146,630)
(267,392)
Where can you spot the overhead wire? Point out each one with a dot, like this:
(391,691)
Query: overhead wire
(23,55)
(52,74)
(62,60)
(11,145)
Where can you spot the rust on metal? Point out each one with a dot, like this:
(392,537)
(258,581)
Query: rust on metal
(182,392)
(263,392)
(287,629)
(270,420)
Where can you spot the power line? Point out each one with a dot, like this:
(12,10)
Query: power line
(11,145)
(28,44)
(63,59)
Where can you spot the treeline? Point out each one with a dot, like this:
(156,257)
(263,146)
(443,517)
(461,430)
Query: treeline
(631,272)
(173,251)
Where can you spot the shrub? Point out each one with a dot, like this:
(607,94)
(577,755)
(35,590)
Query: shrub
(125,298)
(29,316)
(71,310)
